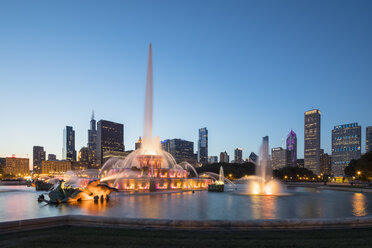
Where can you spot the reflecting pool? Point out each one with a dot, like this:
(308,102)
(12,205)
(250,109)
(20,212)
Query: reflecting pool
(19,202)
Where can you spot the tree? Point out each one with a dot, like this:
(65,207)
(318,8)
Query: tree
(362,165)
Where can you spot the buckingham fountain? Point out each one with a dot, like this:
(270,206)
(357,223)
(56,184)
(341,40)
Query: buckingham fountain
(150,168)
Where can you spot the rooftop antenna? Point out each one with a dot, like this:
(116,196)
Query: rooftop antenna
(92,114)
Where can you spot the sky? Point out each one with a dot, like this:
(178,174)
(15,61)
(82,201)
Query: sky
(243,69)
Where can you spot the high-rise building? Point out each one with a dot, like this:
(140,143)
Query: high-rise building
(312,140)
(265,147)
(38,157)
(224,157)
(292,148)
(181,150)
(253,157)
(52,157)
(325,163)
(212,159)
(92,136)
(203,146)
(238,155)
(110,138)
(17,167)
(279,157)
(369,139)
(69,152)
(87,157)
(346,145)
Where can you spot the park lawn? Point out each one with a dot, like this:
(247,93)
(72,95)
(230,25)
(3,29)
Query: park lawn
(108,237)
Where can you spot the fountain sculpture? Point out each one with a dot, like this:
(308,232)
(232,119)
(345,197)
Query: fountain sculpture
(150,167)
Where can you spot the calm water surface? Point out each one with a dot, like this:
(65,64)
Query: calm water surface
(19,202)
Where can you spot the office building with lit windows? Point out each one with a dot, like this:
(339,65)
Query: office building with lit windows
(346,145)
(110,139)
(279,158)
(17,167)
(312,141)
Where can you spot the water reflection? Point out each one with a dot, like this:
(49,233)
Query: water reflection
(20,203)
(359,204)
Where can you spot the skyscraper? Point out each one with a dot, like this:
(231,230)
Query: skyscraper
(182,150)
(92,135)
(68,151)
(38,157)
(279,157)
(110,138)
(369,139)
(238,155)
(312,140)
(292,148)
(346,145)
(203,146)
(224,157)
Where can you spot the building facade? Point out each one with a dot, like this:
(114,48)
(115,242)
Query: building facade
(292,148)
(68,151)
(110,139)
(212,159)
(87,157)
(253,157)
(279,158)
(17,167)
(38,157)
(203,146)
(92,136)
(312,141)
(52,157)
(325,163)
(369,139)
(238,155)
(224,157)
(346,145)
(55,167)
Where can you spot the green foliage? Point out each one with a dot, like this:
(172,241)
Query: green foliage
(364,165)
(235,169)
(292,172)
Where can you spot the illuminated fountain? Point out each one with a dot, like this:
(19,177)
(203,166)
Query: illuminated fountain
(262,183)
(150,167)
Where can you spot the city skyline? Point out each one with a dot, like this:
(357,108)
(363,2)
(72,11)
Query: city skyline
(245,78)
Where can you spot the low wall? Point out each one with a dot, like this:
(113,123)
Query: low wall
(246,225)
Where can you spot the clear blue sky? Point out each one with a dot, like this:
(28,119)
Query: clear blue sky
(243,69)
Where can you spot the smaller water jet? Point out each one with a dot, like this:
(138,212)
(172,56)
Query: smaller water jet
(262,183)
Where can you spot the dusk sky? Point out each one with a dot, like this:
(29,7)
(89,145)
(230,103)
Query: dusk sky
(243,69)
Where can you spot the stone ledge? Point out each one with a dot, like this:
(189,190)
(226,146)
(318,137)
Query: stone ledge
(164,224)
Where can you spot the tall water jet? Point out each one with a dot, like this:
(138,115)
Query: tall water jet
(149,167)
(148,99)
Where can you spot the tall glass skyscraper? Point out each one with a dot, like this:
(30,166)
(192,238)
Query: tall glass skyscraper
(346,145)
(312,140)
(203,146)
(68,151)
(369,139)
(292,148)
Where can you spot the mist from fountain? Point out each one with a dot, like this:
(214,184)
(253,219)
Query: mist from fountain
(262,183)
